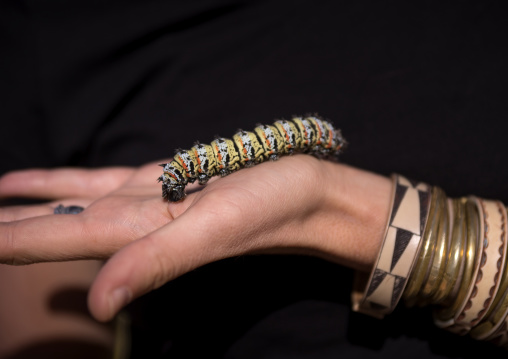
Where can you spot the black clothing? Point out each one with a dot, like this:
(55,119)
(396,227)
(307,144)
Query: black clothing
(418,89)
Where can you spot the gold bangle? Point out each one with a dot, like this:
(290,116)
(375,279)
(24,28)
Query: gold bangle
(421,267)
(437,266)
(443,317)
(455,260)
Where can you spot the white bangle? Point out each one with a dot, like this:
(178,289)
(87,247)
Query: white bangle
(379,294)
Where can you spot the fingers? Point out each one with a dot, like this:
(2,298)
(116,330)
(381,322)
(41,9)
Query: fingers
(101,229)
(54,238)
(34,233)
(152,261)
(62,183)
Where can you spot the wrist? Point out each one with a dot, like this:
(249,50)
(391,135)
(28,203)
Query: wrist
(350,222)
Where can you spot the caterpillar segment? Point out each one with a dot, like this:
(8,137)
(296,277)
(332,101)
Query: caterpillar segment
(311,135)
(334,142)
(307,132)
(249,148)
(226,156)
(325,134)
(290,134)
(320,132)
(271,140)
(187,160)
(206,162)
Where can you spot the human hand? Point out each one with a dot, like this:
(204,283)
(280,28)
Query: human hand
(296,205)
(122,205)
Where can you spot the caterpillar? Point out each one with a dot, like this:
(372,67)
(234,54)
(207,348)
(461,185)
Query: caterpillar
(309,134)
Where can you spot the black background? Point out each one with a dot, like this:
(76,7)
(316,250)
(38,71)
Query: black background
(418,89)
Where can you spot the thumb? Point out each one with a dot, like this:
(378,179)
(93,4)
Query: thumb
(149,262)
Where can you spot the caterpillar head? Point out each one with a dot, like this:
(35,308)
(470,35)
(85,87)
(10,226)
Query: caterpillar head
(173,192)
(173,183)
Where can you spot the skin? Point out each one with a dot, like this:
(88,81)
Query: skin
(298,204)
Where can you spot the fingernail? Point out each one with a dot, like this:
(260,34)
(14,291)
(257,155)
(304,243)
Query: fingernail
(119,298)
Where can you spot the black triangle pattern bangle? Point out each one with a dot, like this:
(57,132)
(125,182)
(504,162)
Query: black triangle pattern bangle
(379,293)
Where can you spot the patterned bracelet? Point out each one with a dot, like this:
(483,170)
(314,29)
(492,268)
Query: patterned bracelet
(379,294)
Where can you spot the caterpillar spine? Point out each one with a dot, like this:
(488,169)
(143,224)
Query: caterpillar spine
(310,134)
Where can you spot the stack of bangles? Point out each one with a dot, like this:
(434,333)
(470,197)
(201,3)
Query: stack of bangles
(444,252)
